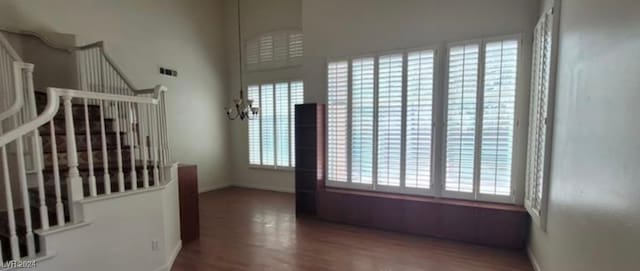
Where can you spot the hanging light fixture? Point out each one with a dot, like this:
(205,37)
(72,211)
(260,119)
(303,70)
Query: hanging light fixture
(243,108)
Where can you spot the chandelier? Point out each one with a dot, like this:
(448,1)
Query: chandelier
(243,108)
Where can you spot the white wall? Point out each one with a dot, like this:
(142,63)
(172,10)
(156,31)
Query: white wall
(141,35)
(335,28)
(120,234)
(258,16)
(594,204)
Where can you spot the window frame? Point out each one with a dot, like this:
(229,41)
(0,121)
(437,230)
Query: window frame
(439,121)
(273,83)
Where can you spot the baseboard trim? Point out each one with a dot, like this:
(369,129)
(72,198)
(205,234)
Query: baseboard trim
(172,258)
(533,259)
(212,187)
(268,188)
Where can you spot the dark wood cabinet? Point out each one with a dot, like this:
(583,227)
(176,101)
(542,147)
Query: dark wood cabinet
(310,123)
(189,206)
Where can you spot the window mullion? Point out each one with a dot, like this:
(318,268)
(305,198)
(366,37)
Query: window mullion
(349,119)
(437,110)
(260,122)
(403,133)
(479,120)
(288,105)
(275,126)
(374,163)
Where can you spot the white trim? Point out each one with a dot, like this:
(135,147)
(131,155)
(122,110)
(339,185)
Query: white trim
(172,257)
(290,190)
(60,229)
(533,259)
(212,188)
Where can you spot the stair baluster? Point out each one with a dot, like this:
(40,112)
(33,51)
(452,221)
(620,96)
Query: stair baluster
(143,144)
(36,148)
(154,143)
(105,154)
(130,133)
(119,149)
(74,180)
(92,178)
(24,189)
(56,174)
(13,237)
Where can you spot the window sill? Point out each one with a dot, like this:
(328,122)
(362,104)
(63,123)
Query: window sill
(430,199)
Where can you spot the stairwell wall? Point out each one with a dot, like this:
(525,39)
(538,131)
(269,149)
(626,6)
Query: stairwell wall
(142,35)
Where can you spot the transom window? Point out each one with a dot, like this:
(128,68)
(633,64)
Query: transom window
(392,128)
(272,133)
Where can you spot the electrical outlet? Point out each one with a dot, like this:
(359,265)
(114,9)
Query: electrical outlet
(154,245)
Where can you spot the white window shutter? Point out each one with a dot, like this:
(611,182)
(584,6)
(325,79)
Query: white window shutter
(337,93)
(362,118)
(498,117)
(266,48)
(419,135)
(253,93)
(539,114)
(461,117)
(282,124)
(267,117)
(389,135)
(296,48)
(297,97)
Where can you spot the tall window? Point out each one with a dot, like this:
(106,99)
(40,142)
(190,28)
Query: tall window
(271,134)
(383,131)
(540,118)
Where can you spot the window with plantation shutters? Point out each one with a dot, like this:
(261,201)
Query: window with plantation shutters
(253,93)
(267,121)
(337,120)
(462,90)
(540,117)
(282,124)
(275,49)
(271,140)
(419,131)
(391,127)
(389,134)
(362,120)
(498,117)
(296,97)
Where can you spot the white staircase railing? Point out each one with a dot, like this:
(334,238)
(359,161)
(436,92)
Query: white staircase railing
(144,118)
(108,106)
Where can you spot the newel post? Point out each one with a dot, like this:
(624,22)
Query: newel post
(74,180)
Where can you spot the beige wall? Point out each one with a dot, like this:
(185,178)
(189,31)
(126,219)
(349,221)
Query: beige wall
(258,16)
(141,35)
(594,205)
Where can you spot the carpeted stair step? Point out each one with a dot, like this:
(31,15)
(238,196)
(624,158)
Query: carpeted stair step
(81,141)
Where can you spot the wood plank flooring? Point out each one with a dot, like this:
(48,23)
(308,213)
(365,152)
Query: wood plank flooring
(246,229)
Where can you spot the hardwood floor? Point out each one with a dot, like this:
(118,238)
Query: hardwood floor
(246,229)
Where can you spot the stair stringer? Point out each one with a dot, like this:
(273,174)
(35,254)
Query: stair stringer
(118,231)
